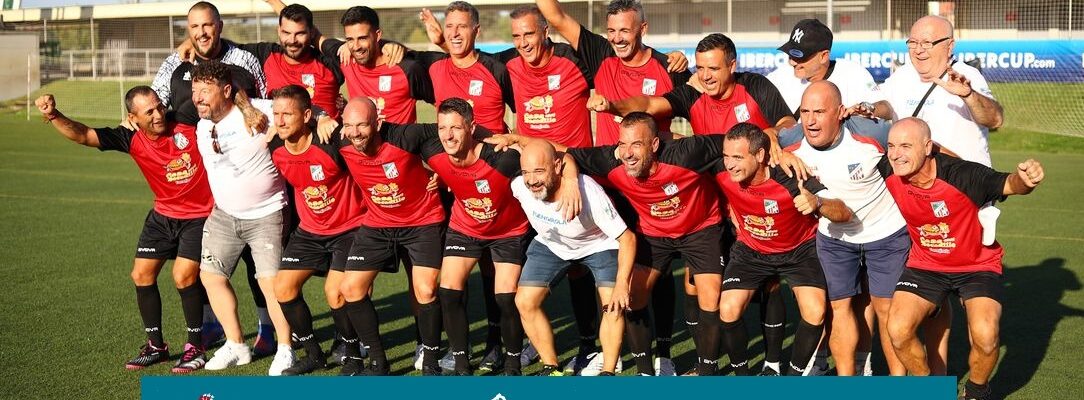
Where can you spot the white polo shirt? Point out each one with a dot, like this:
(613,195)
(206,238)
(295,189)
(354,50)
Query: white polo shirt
(854,82)
(850,171)
(950,120)
(596,228)
(243,179)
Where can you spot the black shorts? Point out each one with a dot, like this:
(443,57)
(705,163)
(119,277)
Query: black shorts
(165,238)
(381,249)
(701,250)
(749,268)
(512,250)
(935,286)
(309,251)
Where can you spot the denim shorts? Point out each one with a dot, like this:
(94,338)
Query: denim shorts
(224,236)
(545,269)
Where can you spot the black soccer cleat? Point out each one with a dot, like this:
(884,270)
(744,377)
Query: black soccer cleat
(148,355)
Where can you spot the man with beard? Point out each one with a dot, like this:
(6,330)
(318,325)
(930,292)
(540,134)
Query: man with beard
(166,154)
(597,239)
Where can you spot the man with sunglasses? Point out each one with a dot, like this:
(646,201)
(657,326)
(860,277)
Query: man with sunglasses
(809,52)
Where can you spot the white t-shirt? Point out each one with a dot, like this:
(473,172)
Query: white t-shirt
(854,82)
(950,120)
(243,179)
(596,228)
(849,170)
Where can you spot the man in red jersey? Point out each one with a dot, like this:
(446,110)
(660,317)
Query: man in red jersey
(166,154)
(776,218)
(329,207)
(403,217)
(940,197)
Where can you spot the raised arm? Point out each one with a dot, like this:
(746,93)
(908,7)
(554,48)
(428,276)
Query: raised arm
(73,130)
(565,25)
(1028,176)
(984,110)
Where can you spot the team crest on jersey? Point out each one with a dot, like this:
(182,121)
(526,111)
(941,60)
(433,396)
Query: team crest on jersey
(856,172)
(771,206)
(482,185)
(180,141)
(554,81)
(309,80)
(670,189)
(317,172)
(649,87)
(390,171)
(741,112)
(475,88)
(384,83)
(940,209)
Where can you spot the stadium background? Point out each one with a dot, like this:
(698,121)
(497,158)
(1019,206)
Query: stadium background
(71,214)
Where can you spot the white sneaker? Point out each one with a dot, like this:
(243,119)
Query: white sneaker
(447,363)
(230,354)
(284,358)
(594,365)
(665,367)
(419,357)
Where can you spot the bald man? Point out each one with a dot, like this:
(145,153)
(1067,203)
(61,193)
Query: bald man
(939,197)
(403,217)
(863,257)
(597,238)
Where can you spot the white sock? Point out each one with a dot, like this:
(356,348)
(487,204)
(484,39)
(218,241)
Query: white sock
(774,366)
(285,348)
(265,318)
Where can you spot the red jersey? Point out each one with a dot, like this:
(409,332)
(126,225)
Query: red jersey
(764,213)
(754,100)
(320,75)
(676,199)
(171,165)
(484,206)
(393,181)
(551,101)
(484,84)
(617,81)
(395,90)
(943,220)
(327,200)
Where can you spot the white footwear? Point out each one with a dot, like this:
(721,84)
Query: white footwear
(447,363)
(230,354)
(284,358)
(419,357)
(594,365)
(664,367)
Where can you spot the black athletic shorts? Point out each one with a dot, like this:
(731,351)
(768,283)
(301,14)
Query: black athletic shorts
(309,251)
(382,248)
(165,238)
(701,250)
(512,250)
(935,286)
(749,268)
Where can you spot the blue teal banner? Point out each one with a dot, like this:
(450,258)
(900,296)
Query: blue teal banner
(545,388)
(1001,60)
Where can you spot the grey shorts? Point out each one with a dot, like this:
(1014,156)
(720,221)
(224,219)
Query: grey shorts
(225,236)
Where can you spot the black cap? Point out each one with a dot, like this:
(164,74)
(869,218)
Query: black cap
(808,37)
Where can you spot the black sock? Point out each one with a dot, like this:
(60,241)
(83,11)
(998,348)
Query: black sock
(976,391)
(150,309)
(806,339)
(707,344)
(773,317)
(691,309)
(253,284)
(192,306)
(298,316)
(429,330)
(454,311)
(367,325)
(344,331)
(736,340)
(511,331)
(638,329)
(585,310)
(493,311)
(662,305)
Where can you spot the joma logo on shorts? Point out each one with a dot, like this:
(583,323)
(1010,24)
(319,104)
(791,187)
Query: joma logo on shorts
(908,284)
